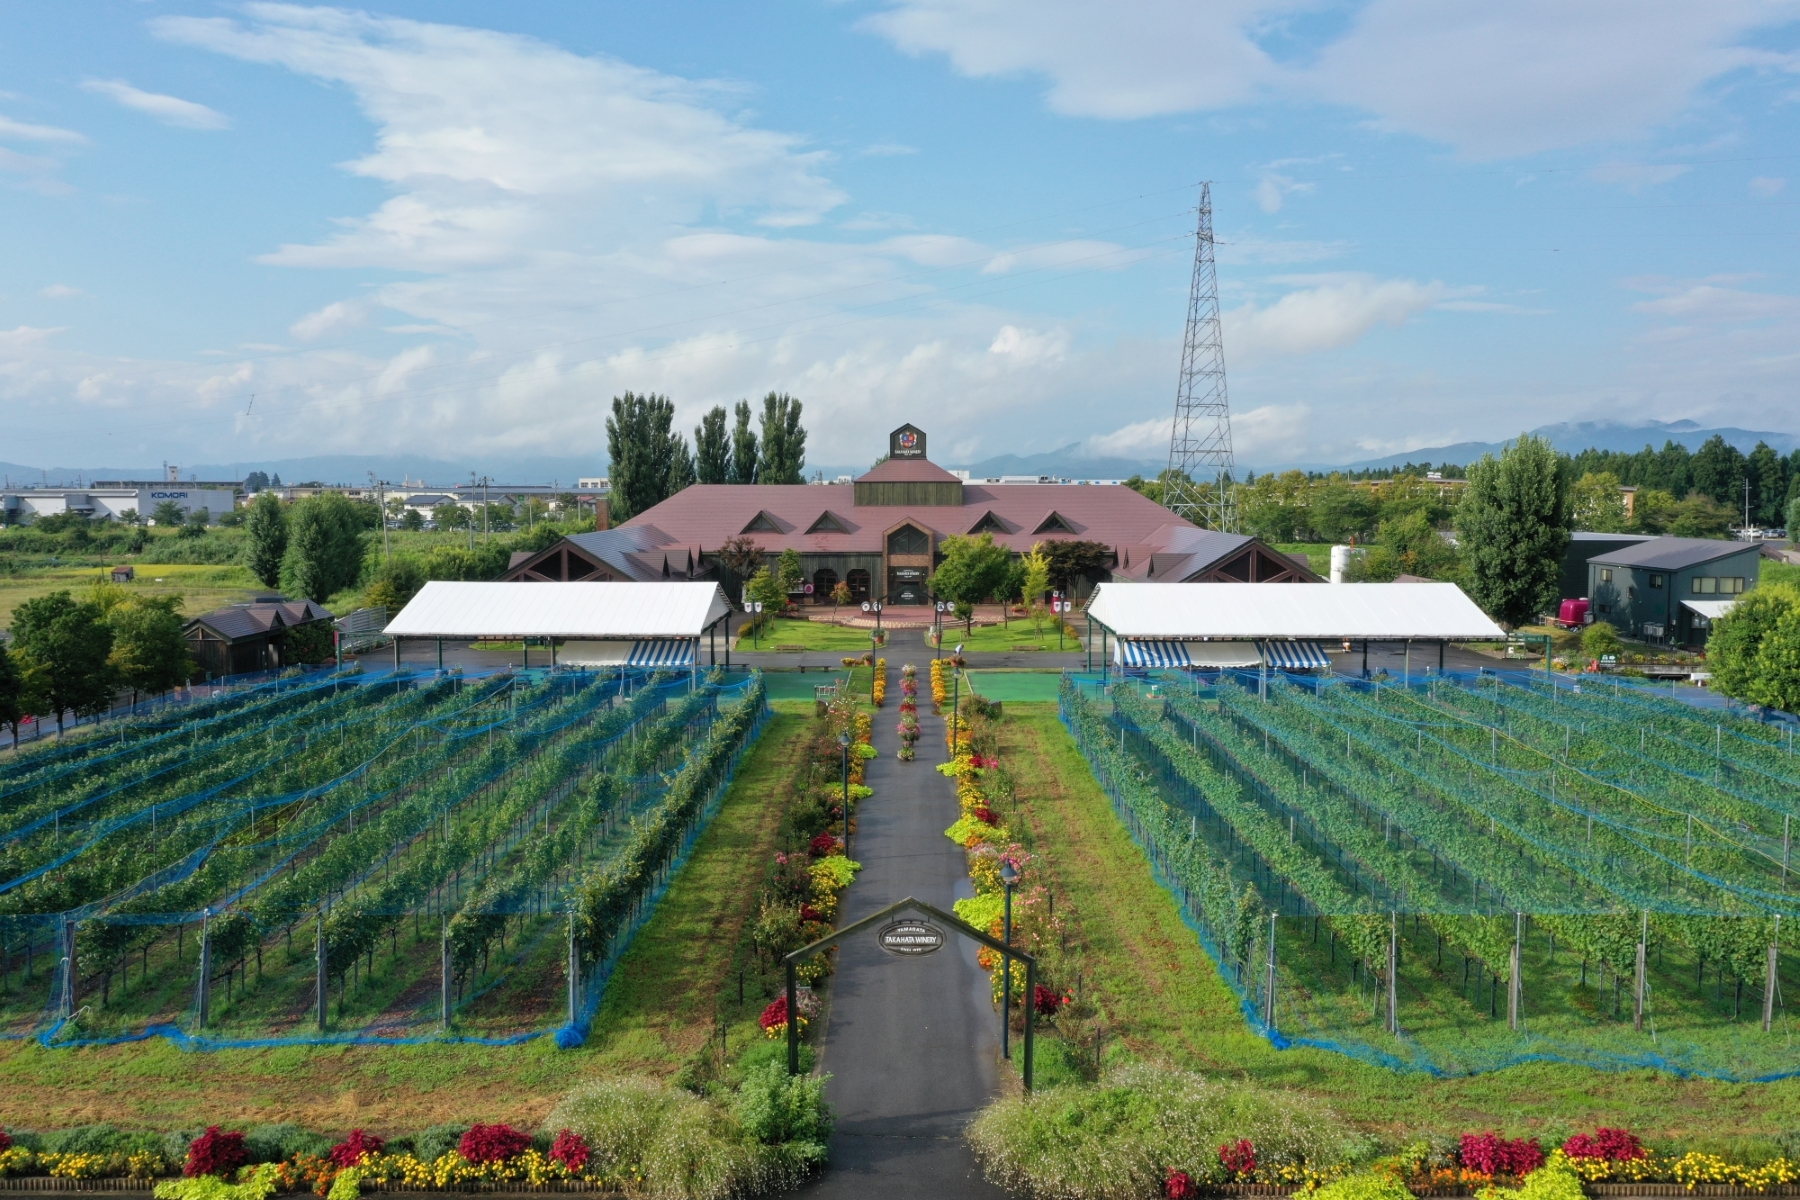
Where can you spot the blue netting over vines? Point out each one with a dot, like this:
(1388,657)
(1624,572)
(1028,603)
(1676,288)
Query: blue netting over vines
(357,858)
(1470,871)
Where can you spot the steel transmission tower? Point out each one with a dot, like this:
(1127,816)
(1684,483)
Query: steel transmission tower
(1197,485)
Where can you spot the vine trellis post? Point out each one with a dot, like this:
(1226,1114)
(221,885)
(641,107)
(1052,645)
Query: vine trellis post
(1640,984)
(1772,979)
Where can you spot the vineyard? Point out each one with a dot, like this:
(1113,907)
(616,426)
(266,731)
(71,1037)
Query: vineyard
(354,859)
(1470,872)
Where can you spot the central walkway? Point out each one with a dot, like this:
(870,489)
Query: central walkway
(912,1044)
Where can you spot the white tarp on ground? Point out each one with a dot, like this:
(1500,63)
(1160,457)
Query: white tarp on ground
(1192,611)
(584,611)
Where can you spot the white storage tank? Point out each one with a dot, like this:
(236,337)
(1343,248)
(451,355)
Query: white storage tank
(1340,560)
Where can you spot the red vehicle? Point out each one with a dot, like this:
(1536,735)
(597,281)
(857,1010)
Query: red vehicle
(1574,614)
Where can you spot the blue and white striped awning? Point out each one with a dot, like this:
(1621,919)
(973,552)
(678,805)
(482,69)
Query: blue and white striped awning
(1151,654)
(1294,656)
(662,652)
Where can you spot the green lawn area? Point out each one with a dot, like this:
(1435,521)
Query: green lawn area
(1018,634)
(1779,572)
(821,635)
(1164,999)
(1318,554)
(202,588)
(1015,686)
(658,1009)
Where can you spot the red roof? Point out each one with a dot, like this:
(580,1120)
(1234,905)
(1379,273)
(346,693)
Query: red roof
(708,514)
(907,470)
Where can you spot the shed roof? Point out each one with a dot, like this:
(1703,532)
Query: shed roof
(907,470)
(597,611)
(1672,553)
(241,621)
(1191,611)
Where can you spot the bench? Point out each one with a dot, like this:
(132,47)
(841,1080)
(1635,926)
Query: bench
(791,649)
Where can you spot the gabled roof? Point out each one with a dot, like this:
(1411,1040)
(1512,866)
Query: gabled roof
(1055,522)
(1192,611)
(828,522)
(990,522)
(1672,553)
(764,522)
(908,470)
(565,610)
(242,621)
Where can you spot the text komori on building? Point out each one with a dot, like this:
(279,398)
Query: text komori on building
(114,501)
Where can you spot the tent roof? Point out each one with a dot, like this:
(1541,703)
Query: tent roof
(1191,611)
(566,610)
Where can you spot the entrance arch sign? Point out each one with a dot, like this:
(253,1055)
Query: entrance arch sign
(915,936)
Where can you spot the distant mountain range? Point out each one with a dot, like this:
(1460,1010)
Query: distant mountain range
(1067,463)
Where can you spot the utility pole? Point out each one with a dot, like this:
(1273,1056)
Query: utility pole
(1200,455)
(380,485)
(487,534)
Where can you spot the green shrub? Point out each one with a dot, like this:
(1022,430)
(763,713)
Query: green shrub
(84,1139)
(680,1146)
(1369,1185)
(277,1143)
(433,1143)
(776,1107)
(1119,1138)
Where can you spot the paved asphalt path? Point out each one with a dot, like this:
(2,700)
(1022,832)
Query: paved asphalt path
(913,1044)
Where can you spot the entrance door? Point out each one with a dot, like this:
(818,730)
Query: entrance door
(906,585)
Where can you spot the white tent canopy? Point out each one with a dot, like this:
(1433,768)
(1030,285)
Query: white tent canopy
(589,612)
(1188,612)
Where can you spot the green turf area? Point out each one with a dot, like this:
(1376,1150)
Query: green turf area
(1037,686)
(657,1010)
(1317,554)
(1164,1000)
(797,685)
(821,635)
(1019,634)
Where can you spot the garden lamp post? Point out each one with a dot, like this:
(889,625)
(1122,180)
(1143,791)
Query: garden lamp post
(955,698)
(1009,876)
(844,749)
(874,649)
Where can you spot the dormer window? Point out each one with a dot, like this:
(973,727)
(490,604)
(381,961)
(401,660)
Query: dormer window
(827,522)
(989,523)
(762,522)
(1054,523)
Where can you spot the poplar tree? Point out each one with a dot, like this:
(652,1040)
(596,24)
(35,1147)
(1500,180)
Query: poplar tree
(783,441)
(1512,527)
(743,447)
(642,444)
(266,535)
(325,548)
(712,448)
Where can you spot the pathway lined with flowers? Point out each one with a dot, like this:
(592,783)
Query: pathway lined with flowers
(912,1044)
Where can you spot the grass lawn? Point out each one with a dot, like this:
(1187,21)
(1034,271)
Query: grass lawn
(202,588)
(820,635)
(1015,686)
(1165,1001)
(657,1011)
(1318,554)
(1017,635)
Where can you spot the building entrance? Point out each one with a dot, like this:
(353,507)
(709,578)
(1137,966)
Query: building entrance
(906,585)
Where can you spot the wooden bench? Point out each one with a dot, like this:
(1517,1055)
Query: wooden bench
(791,650)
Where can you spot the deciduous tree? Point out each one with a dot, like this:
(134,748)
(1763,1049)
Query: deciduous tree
(1597,505)
(12,693)
(63,646)
(642,445)
(973,569)
(783,458)
(325,547)
(149,653)
(712,448)
(266,536)
(1513,524)
(744,447)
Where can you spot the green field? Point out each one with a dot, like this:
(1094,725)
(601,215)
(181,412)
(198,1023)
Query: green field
(1018,634)
(657,1011)
(1030,686)
(202,588)
(1162,997)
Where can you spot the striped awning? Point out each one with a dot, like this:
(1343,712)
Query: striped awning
(1150,654)
(662,652)
(1294,656)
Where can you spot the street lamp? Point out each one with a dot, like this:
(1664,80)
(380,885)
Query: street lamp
(1009,875)
(955,698)
(844,749)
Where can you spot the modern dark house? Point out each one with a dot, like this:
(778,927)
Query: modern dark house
(882,534)
(1583,546)
(248,637)
(1669,589)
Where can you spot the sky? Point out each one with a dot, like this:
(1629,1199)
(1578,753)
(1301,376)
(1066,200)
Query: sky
(232,232)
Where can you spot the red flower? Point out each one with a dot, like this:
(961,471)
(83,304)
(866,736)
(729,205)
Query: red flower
(215,1153)
(1179,1185)
(571,1150)
(986,815)
(350,1151)
(1612,1145)
(1238,1158)
(809,913)
(492,1143)
(1491,1154)
(1047,1000)
(5,1140)
(775,1014)
(822,845)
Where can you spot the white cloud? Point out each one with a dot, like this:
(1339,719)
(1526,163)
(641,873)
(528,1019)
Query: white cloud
(1140,439)
(170,110)
(1492,80)
(1274,189)
(888,150)
(61,291)
(342,314)
(1708,302)
(1764,185)
(1337,312)
(1027,347)
(1270,432)
(38,133)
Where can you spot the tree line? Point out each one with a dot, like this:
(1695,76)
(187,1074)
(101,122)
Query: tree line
(651,459)
(70,655)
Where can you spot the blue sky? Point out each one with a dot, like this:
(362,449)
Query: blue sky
(458,229)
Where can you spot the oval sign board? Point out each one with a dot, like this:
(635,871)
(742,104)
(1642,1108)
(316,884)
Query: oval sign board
(911,938)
